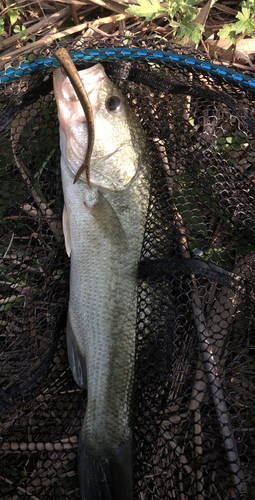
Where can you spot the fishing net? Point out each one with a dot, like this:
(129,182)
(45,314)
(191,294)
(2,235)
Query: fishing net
(194,397)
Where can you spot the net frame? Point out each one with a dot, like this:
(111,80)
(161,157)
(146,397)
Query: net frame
(176,448)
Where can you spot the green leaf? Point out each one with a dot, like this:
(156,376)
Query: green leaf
(23,33)
(174,24)
(192,30)
(245,26)
(13,15)
(146,8)
(244,23)
(192,2)
(244,15)
(1,26)
(228,31)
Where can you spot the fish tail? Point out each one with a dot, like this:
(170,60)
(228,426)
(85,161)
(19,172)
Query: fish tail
(103,479)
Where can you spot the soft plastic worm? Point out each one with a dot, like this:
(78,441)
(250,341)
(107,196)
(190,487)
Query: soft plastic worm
(70,69)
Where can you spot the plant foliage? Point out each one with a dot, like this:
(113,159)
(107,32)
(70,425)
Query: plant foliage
(245,26)
(13,14)
(180,14)
(146,8)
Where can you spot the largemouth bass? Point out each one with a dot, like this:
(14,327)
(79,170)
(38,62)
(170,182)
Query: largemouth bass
(104,228)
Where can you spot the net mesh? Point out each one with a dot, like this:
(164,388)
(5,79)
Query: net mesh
(194,394)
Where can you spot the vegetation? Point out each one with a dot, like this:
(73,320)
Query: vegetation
(245,26)
(179,13)
(181,16)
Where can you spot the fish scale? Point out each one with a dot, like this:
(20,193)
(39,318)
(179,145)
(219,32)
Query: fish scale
(104,229)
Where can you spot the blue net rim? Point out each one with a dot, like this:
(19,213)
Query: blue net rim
(126,53)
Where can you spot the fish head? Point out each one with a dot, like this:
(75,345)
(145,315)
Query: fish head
(119,138)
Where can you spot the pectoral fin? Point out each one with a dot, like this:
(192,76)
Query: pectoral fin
(76,360)
(108,221)
(66,231)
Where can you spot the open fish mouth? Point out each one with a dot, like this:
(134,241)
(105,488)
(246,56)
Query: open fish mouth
(91,79)
(69,105)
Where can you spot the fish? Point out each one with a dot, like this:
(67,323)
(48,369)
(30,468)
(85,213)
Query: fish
(104,227)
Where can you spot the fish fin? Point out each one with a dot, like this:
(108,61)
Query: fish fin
(76,360)
(108,221)
(102,479)
(66,231)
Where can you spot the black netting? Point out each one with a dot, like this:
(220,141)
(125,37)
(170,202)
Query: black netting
(194,395)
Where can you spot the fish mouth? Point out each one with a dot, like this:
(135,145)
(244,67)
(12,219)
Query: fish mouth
(69,106)
(71,113)
(92,79)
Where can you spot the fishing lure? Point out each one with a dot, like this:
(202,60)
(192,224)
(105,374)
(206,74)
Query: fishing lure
(65,60)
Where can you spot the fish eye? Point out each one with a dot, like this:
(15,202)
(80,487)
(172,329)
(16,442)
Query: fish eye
(113,103)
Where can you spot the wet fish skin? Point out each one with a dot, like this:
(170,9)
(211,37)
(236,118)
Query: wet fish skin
(104,230)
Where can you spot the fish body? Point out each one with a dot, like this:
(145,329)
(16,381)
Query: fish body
(104,228)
